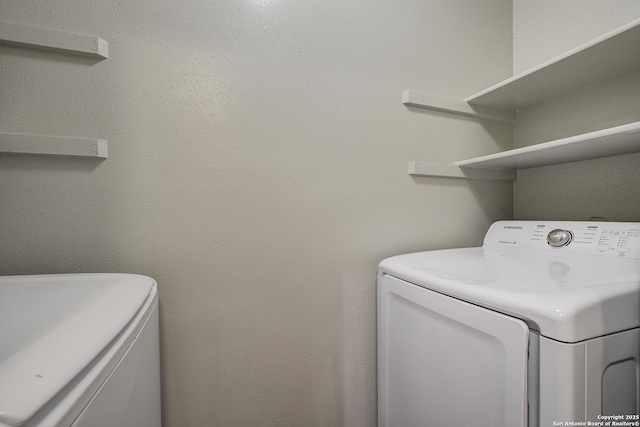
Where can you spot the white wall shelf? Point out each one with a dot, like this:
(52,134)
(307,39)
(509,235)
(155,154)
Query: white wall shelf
(613,54)
(53,146)
(454,171)
(610,55)
(622,139)
(432,102)
(50,40)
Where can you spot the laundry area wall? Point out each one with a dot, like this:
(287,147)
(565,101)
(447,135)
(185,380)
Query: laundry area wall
(257,170)
(605,188)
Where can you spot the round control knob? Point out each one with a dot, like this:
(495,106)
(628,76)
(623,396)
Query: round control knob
(559,237)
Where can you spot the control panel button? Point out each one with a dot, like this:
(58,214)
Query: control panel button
(559,237)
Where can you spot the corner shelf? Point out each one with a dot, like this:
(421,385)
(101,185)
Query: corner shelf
(439,170)
(623,139)
(610,55)
(432,102)
(53,146)
(613,54)
(50,40)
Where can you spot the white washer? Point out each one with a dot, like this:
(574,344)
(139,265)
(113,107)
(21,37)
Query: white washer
(540,325)
(79,350)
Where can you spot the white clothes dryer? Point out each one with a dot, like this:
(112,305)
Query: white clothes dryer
(79,350)
(539,327)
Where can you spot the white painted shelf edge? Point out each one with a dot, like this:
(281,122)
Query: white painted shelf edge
(453,171)
(53,146)
(50,40)
(612,54)
(432,102)
(624,139)
(604,57)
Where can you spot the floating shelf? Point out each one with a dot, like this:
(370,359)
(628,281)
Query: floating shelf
(453,171)
(613,54)
(50,40)
(432,102)
(53,146)
(623,139)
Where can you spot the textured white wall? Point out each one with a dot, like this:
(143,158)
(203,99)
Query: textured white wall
(543,29)
(257,170)
(605,187)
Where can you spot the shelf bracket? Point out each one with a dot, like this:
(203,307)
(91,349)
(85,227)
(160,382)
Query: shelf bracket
(432,102)
(453,171)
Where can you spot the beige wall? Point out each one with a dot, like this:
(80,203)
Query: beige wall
(606,188)
(257,170)
(543,29)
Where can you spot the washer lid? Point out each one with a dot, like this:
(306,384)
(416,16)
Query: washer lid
(53,326)
(566,297)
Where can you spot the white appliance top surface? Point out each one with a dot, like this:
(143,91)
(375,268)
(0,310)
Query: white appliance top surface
(586,289)
(53,326)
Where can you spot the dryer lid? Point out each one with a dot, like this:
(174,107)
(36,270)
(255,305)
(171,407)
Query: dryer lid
(570,295)
(52,327)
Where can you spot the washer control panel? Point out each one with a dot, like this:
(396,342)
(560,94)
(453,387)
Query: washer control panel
(609,239)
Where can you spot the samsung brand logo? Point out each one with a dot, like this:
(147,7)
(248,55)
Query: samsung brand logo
(513,227)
